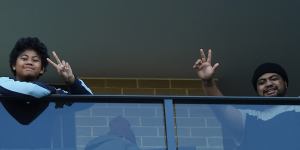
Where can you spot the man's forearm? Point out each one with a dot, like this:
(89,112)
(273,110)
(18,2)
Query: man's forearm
(210,88)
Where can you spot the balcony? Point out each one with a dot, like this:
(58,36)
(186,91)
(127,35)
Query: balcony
(146,122)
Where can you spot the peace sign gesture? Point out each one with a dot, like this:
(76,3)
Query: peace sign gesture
(63,69)
(203,66)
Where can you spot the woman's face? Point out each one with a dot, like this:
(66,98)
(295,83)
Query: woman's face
(28,66)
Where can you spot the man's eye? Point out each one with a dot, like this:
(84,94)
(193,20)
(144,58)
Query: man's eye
(260,82)
(274,78)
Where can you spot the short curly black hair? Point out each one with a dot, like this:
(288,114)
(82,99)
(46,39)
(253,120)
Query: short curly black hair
(29,43)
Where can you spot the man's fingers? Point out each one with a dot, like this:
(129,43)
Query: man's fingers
(216,66)
(209,56)
(56,57)
(197,63)
(202,55)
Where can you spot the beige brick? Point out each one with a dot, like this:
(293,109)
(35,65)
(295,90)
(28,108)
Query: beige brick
(94,82)
(121,83)
(195,92)
(186,83)
(108,91)
(153,83)
(138,91)
(171,92)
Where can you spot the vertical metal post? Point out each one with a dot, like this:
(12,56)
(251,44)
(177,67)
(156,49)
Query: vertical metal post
(170,124)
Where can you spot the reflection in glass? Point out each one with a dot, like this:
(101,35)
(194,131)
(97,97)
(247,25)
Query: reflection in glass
(121,127)
(53,129)
(119,137)
(197,127)
(260,127)
(238,127)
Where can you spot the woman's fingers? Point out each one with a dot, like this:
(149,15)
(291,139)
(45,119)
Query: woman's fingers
(56,57)
(68,66)
(52,63)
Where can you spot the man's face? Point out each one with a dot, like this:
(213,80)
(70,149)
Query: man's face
(271,84)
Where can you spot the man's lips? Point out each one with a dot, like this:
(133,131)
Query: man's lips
(270,91)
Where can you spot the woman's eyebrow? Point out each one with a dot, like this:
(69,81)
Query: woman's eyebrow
(36,56)
(23,55)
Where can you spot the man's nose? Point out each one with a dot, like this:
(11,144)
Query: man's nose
(268,83)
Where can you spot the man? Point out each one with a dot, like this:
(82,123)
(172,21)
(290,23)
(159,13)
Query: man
(259,127)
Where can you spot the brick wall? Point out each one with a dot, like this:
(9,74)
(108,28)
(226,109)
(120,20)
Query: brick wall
(196,125)
(140,86)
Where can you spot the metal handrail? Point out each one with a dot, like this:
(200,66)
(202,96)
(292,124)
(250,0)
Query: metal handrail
(247,100)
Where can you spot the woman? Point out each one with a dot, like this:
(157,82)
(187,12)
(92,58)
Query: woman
(55,128)
(28,61)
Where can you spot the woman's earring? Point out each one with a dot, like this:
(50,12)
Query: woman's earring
(14,68)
